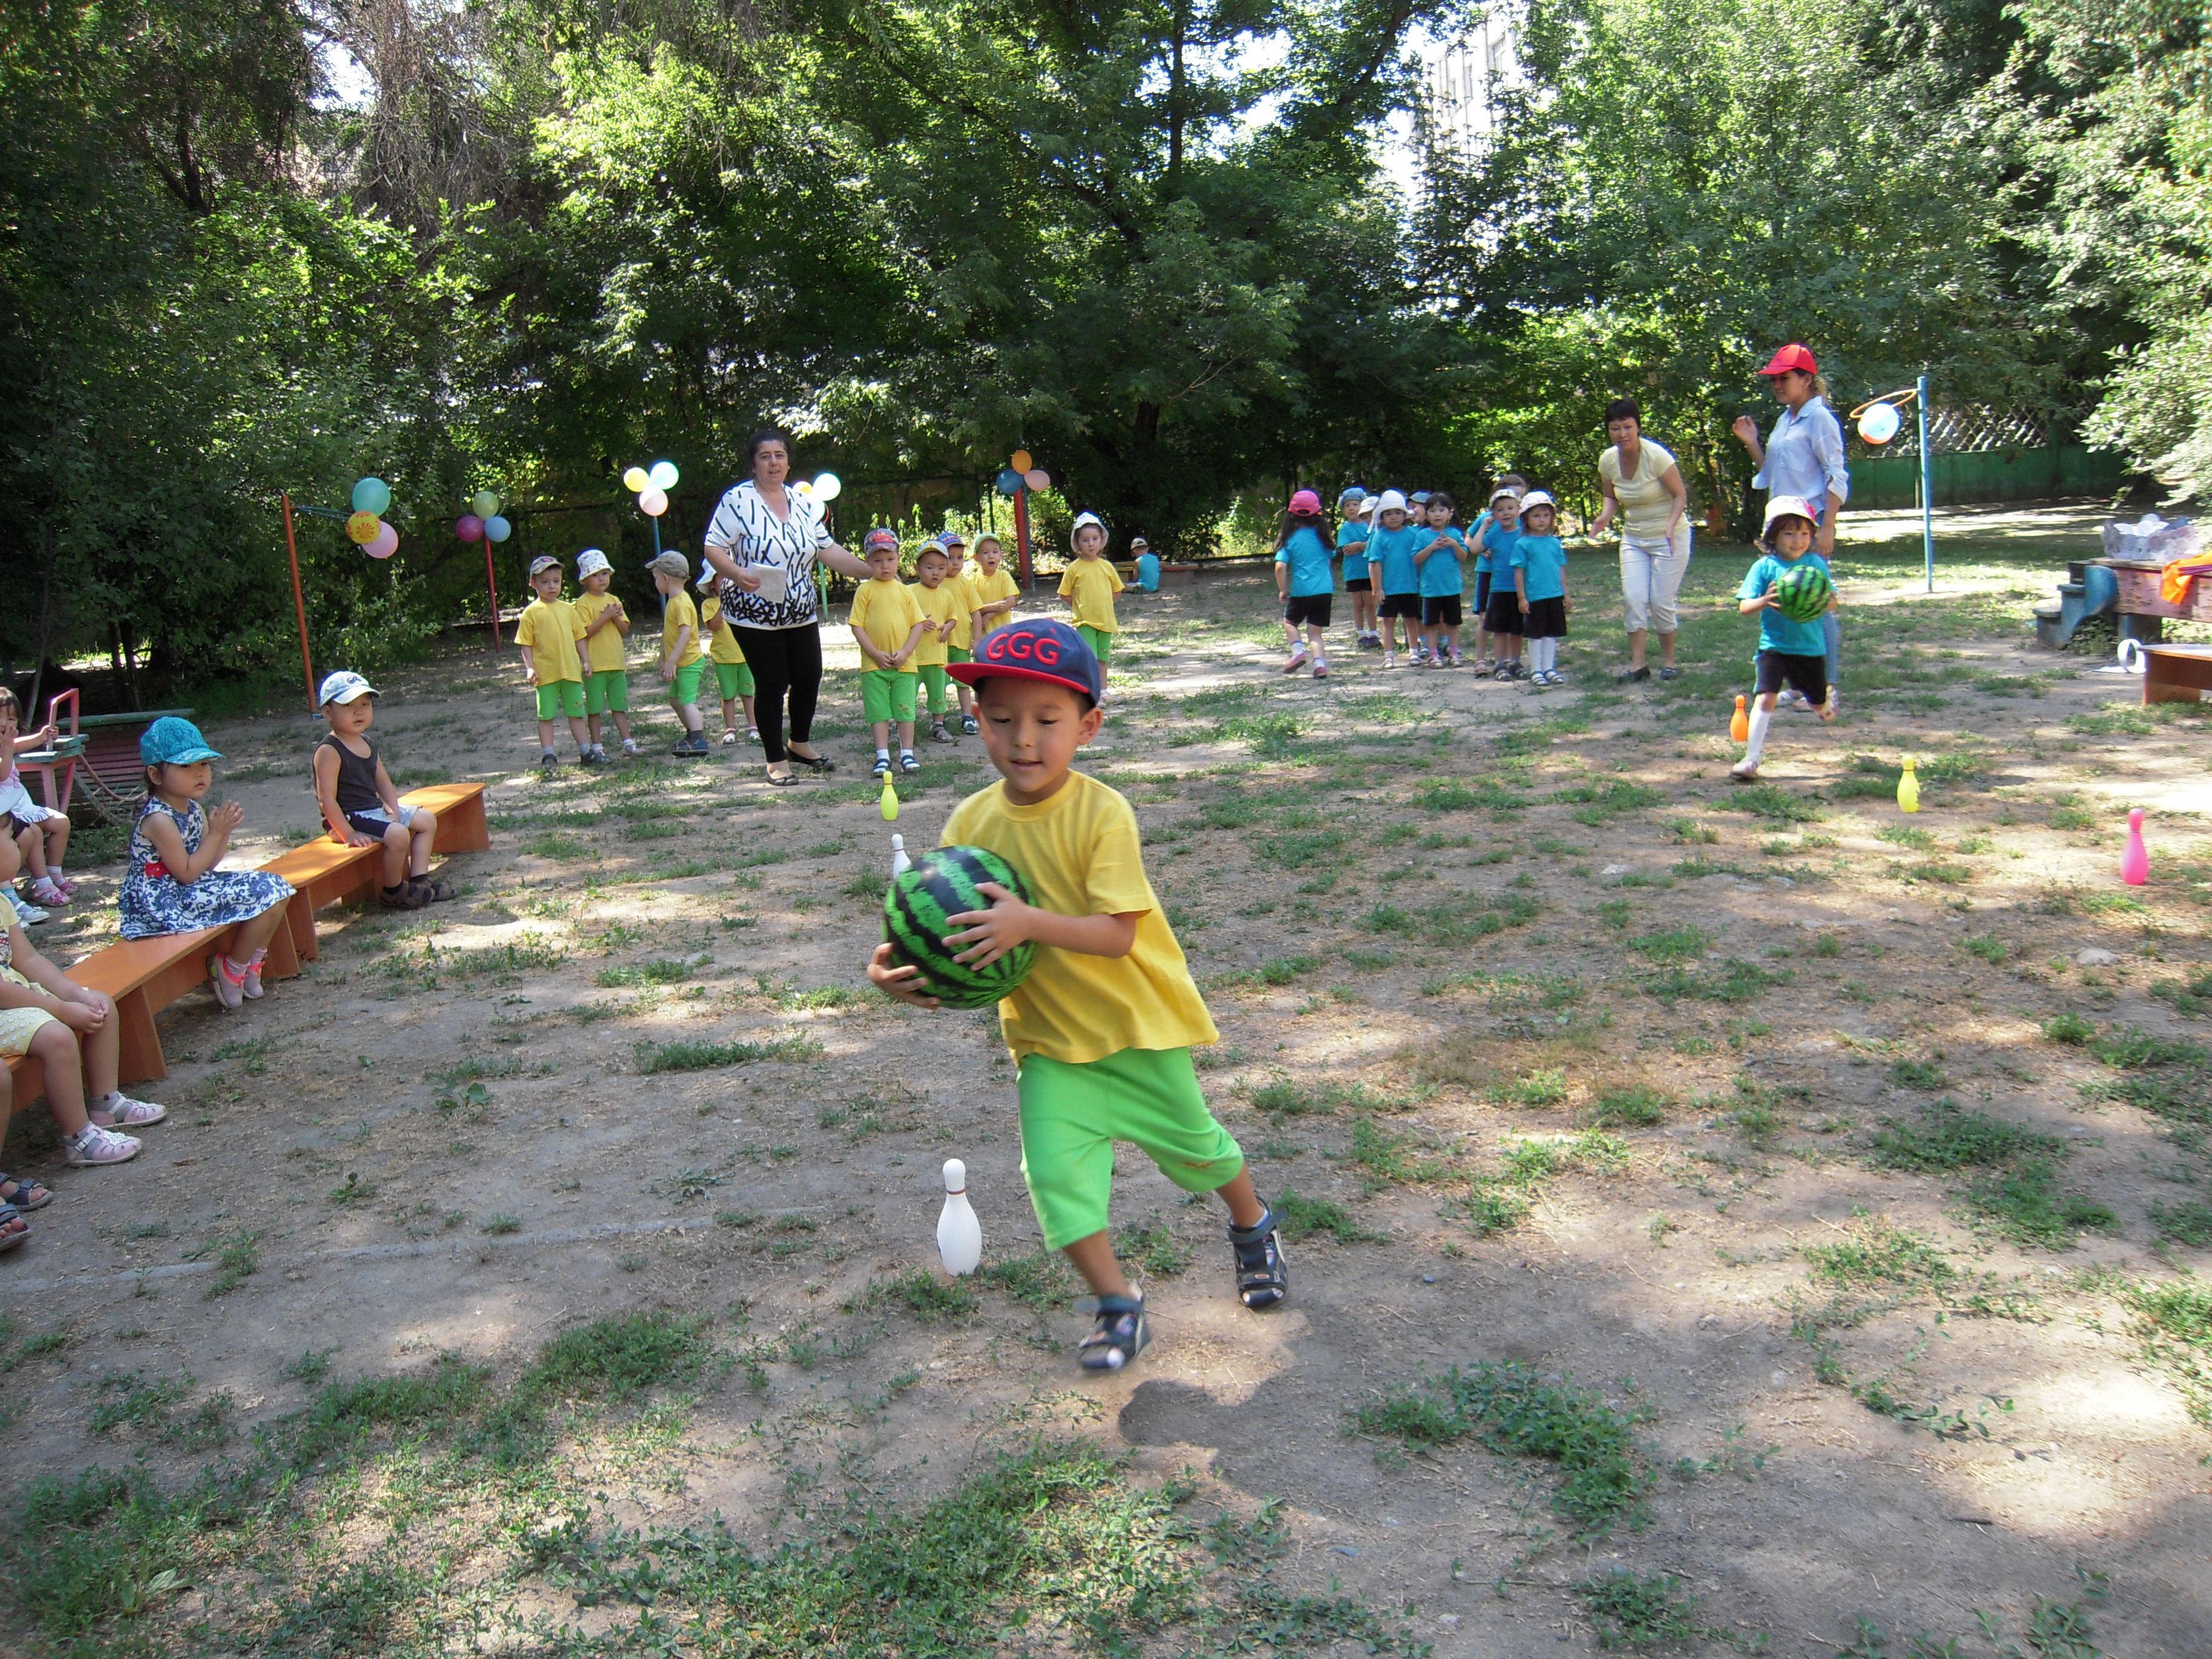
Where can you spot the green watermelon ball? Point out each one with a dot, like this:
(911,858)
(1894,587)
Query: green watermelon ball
(1804,591)
(918,913)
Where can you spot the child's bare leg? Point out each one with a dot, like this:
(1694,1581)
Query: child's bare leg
(422,829)
(1245,1208)
(1093,1258)
(576,731)
(101,1050)
(689,713)
(622,725)
(56,832)
(255,933)
(545,737)
(31,849)
(1314,638)
(730,715)
(752,721)
(395,855)
(55,1047)
(905,734)
(883,732)
(592,724)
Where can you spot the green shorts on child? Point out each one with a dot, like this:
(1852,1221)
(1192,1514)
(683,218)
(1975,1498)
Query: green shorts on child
(1072,1116)
(684,688)
(607,692)
(736,679)
(561,698)
(1100,641)
(934,680)
(958,653)
(887,694)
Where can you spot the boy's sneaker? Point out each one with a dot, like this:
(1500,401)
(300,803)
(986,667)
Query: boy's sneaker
(1298,661)
(730,736)
(629,747)
(1745,771)
(693,743)
(882,769)
(1791,698)
(1390,658)
(939,734)
(1261,1279)
(1320,669)
(548,762)
(590,757)
(968,726)
(94,1144)
(907,762)
(1118,1336)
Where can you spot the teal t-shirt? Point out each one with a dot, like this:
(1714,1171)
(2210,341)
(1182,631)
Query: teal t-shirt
(1775,631)
(1442,572)
(1351,542)
(1306,555)
(1481,547)
(1545,560)
(1394,550)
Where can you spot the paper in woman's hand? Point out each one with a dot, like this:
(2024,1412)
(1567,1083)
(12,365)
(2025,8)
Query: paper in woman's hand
(774,583)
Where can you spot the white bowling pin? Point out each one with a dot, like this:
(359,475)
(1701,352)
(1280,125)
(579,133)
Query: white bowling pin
(959,1235)
(900,862)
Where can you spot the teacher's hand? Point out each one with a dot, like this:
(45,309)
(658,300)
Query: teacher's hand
(1746,430)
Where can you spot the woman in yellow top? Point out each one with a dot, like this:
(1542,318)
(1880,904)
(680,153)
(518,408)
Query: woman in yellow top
(1643,488)
(1089,586)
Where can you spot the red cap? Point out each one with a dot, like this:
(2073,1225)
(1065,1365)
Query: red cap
(1792,356)
(1305,501)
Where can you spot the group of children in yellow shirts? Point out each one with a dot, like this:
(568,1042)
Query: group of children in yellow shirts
(911,635)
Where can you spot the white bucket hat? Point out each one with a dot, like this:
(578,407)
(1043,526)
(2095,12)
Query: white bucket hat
(1537,498)
(1081,520)
(590,563)
(1389,501)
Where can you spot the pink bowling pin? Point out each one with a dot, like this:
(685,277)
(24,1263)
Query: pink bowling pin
(2135,863)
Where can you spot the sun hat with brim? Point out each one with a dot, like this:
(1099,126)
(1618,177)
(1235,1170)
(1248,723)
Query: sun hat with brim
(590,563)
(1419,497)
(1503,493)
(342,688)
(1036,648)
(1389,501)
(1536,498)
(1791,356)
(174,741)
(1083,519)
(1350,494)
(1788,507)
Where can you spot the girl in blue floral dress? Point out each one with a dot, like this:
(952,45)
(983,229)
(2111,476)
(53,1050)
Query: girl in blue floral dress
(172,885)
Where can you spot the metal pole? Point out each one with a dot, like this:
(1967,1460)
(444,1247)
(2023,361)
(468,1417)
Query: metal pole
(299,602)
(1927,485)
(491,587)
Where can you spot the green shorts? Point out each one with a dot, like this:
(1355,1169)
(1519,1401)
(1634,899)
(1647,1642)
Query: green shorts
(736,679)
(960,653)
(684,688)
(1073,1114)
(887,694)
(1100,641)
(607,692)
(559,698)
(934,679)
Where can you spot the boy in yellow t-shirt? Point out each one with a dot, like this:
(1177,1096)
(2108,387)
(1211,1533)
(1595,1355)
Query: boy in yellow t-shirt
(681,661)
(733,676)
(1089,586)
(549,635)
(993,589)
(944,600)
(962,646)
(1103,1027)
(888,626)
(606,666)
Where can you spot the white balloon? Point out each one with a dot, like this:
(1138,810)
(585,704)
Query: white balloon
(652,502)
(828,487)
(1878,423)
(662,475)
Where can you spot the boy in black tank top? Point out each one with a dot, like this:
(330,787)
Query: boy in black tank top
(359,803)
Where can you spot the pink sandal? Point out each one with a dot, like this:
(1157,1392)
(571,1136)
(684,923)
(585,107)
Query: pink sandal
(229,979)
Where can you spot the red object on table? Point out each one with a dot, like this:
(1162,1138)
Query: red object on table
(56,797)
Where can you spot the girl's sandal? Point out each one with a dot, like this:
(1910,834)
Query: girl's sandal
(13,1229)
(1261,1279)
(29,1195)
(1117,1337)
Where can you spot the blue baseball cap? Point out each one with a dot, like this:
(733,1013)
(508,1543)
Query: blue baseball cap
(170,741)
(1038,648)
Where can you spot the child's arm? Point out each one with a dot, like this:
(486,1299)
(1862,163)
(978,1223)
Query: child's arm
(1282,576)
(50,990)
(1009,921)
(868,651)
(674,653)
(185,868)
(326,797)
(529,663)
(41,738)
(897,659)
(386,790)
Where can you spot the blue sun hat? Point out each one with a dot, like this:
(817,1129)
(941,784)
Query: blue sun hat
(171,741)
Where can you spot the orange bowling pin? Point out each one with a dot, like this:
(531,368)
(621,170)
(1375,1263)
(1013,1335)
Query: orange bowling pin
(1739,726)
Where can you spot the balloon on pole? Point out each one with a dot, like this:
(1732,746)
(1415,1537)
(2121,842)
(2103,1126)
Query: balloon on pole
(635,478)
(1037,478)
(1022,463)
(662,475)
(497,528)
(483,504)
(652,502)
(828,487)
(468,527)
(385,545)
(1009,481)
(372,496)
(362,528)
(1878,423)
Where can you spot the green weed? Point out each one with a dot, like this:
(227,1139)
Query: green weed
(1634,1610)
(927,1297)
(1776,806)
(1304,1218)
(2173,1322)
(663,972)
(1878,1254)
(1628,1106)
(712,1056)
(2187,1223)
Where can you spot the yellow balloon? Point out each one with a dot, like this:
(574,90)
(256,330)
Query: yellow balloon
(1021,462)
(362,527)
(636,479)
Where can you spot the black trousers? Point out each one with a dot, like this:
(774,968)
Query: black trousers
(784,661)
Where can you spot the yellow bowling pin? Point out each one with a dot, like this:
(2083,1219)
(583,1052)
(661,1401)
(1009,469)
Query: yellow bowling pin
(890,800)
(1908,789)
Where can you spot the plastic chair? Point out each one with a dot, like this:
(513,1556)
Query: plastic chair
(68,749)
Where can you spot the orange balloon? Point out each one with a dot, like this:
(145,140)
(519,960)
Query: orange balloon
(1022,463)
(363,528)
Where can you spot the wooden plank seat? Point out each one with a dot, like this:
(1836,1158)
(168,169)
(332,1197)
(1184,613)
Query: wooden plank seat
(145,976)
(2176,673)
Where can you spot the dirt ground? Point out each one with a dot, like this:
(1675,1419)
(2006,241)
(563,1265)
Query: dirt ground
(1439,921)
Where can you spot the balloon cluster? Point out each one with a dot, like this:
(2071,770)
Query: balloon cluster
(483,519)
(365,528)
(651,485)
(1021,473)
(825,489)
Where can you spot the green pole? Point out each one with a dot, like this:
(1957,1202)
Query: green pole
(1927,485)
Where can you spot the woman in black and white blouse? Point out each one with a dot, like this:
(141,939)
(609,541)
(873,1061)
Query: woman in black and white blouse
(763,542)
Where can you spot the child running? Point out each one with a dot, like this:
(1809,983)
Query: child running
(1358,586)
(733,676)
(172,885)
(551,637)
(943,599)
(1103,1028)
(1303,582)
(683,663)
(1390,546)
(1502,619)
(606,666)
(993,589)
(1539,561)
(1088,584)
(1444,580)
(1792,653)
(34,835)
(887,625)
(360,806)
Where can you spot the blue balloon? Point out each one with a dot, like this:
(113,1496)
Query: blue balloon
(497,528)
(1009,481)
(372,495)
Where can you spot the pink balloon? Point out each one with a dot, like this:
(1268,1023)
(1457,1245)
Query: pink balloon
(1037,478)
(652,502)
(385,545)
(468,527)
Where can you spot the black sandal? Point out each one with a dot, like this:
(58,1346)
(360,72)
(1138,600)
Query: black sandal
(13,1229)
(1118,1336)
(30,1193)
(784,782)
(811,763)
(1261,1279)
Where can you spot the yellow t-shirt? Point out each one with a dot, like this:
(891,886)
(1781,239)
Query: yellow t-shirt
(551,632)
(886,612)
(938,603)
(1079,853)
(721,643)
(604,651)
(989,590)
(678,613)
(963,592)
(1088,586)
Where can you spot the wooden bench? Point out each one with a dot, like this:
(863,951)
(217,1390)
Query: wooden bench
(2176,673)
(145,976)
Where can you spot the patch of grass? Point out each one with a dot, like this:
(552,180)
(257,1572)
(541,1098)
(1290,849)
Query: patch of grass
(131,1399)
(1949,1139)
(1988,947)
(1776,806)
(2070,1028)
(2190,998)
(666,971)
(1671,944)
(236,1258)
(1284,1099)
(1628,1106)
(2173,1322)
(922,1293)
(1302,1217)
(1041,1282)
(1907,835)
(1154,1247)
(712,1056)
(2189,1222)
(1879,1254)
(1599,803)
(1299,848)
(1918,1074)
(1734,981)
(1544,1087)
(1385,1160)
(1509,1409)
(2025,1204)
(1457,795)
(1637,1610)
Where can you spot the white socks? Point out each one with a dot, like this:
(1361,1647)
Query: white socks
(1760,720)
(1543,655)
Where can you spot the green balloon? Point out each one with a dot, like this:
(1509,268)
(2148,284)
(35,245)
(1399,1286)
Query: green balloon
(483,504)
(372,495)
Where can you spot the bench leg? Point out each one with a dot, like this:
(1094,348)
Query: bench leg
(284,960)
(462,828)
(300,923)
(139,1045)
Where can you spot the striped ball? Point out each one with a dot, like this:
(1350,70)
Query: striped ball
(918,913)
(1803,593)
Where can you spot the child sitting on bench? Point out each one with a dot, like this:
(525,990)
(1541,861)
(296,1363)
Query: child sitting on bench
(359,803)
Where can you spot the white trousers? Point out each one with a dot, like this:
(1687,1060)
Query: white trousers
(1652,572)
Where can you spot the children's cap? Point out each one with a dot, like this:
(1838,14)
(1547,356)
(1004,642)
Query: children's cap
(542,562)
(951,538)
(1503,493)
(670,564)
(1083,519)
(173,741)
(1418,498)
(1788,507)
(1350,495)
(1792,356)
(1389,501)
(590,563)
(705,580)
(1305,501)
(877,537)
(343,687)
(1537,498)
(1038,649)
(1136,541)
(987,536)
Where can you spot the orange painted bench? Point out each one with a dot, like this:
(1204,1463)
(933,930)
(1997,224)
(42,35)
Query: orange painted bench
(145,976)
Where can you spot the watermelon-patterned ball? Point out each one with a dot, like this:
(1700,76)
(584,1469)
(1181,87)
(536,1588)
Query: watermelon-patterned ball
(1803,592)
(918,913)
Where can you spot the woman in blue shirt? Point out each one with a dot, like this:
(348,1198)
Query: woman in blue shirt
(1803,458)
(1303,582)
